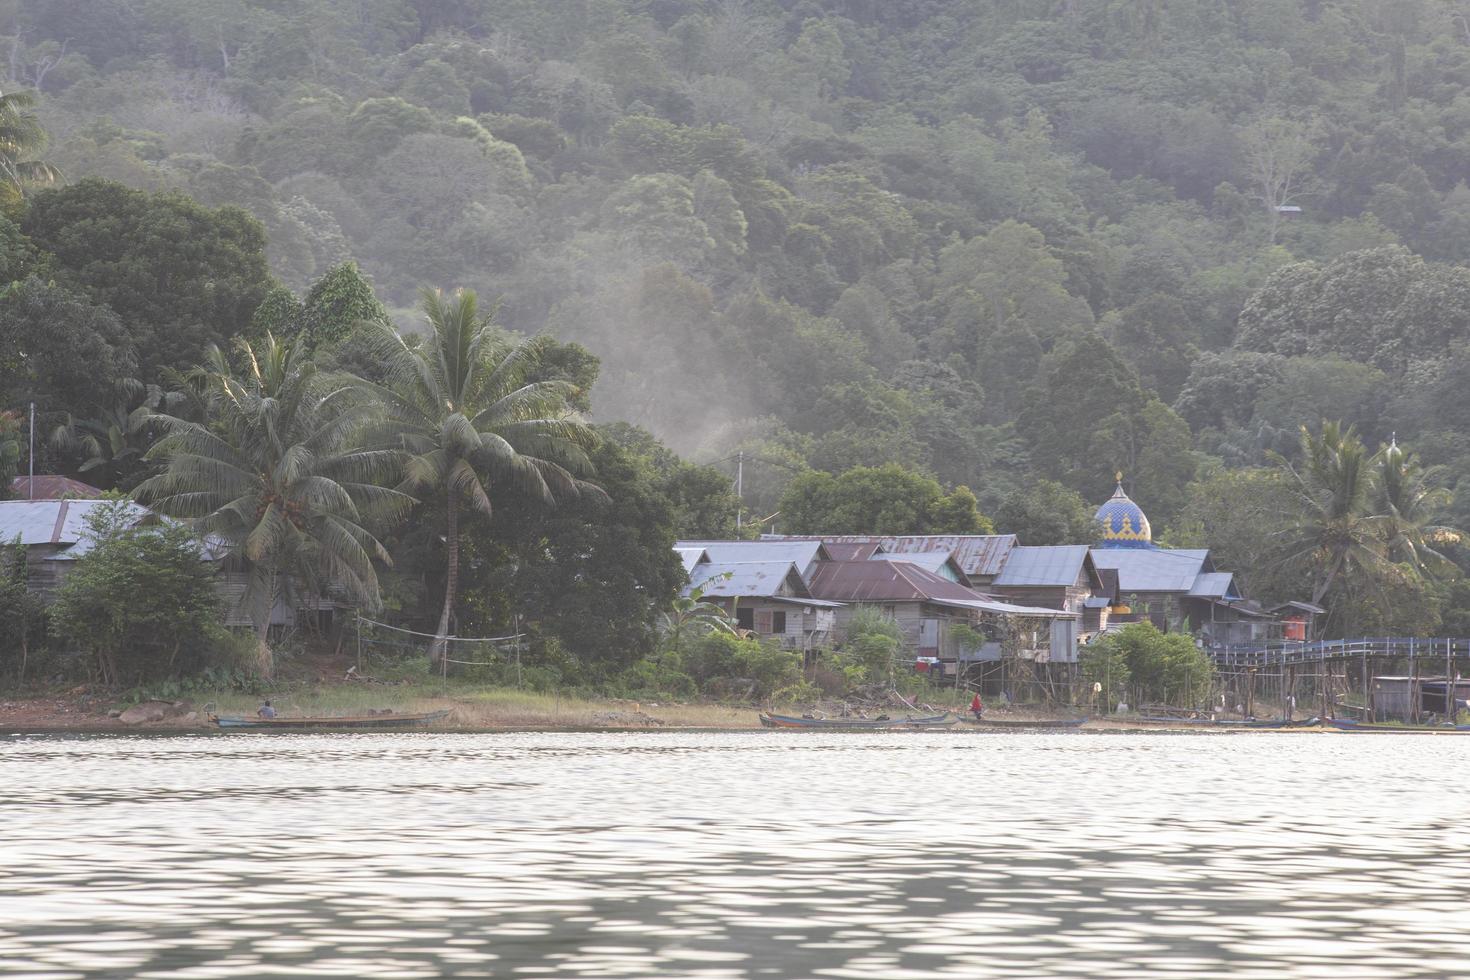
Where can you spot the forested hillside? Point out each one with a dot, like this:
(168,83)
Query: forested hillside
(1013,245)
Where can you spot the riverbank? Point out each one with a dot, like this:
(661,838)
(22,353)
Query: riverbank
(470,709)
(490,709)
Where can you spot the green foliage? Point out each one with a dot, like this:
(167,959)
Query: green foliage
(274,473)
(1048,513)
(596,570)
(723,664)
(22,613)
(141,601)
(1157,667)
(465,413)
(879,500)
(60,351)
(871,645)
(180,276)
(10,450)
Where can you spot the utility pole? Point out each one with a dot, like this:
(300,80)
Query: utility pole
(31,490)
(740,489)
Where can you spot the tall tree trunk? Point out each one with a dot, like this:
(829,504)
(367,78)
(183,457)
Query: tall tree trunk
(451,579)
(261,614)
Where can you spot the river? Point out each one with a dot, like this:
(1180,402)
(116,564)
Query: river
(760,854)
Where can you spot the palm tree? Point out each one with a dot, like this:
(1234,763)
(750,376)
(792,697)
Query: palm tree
(274,474)
(693,615)
(1335,532)
(1409,502)
(110,450)
(21,136)
(464,408)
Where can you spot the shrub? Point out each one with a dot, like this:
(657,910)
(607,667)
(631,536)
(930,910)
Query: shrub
(870,648)
(1157,666)
(141,602)
(718,661)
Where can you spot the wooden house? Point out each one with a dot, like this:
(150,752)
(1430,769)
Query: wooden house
(767,598)
(1056,576)
(979,556)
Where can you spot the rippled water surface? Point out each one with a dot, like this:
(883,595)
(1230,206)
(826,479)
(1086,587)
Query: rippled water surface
(765,854)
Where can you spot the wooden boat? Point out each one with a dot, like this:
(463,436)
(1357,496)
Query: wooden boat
(1344,725)
(322,722)
(857,724)
(1016,723)
(1213,723)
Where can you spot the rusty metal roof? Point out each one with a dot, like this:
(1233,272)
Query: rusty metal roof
(978,555)
(877,580)
(50,487)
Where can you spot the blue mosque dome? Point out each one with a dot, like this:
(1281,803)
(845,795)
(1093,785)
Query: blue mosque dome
(1124,524)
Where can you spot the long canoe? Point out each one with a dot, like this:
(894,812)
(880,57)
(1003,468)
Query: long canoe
(1016,723)
(1344,725)
(327,722)
(856,724)
(1211,722)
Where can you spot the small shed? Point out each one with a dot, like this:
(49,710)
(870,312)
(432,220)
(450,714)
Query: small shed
(1401,698)
(1298,619)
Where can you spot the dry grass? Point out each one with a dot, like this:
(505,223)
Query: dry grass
(492,709)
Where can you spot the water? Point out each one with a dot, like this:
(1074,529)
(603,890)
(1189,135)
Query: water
(763,854)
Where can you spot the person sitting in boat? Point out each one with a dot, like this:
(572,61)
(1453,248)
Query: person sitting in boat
(265,710)
(976,707)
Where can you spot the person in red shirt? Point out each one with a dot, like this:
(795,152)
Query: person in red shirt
(976,708)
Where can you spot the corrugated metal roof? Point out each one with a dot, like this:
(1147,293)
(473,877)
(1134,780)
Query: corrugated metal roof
(691,557)
(879,580)
(755,579)
(1213,585)
(52,521)
(1011,609)
(1153,570)
(802,553)
(978,555)
(50,487)
(1043,565)
(852,550)
(941,563)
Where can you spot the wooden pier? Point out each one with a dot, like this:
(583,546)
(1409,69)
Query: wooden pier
(1327,667)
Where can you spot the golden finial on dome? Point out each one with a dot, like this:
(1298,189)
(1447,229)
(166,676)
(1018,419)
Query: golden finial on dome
(1119,476)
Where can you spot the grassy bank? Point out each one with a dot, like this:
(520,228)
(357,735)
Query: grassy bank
(494,708)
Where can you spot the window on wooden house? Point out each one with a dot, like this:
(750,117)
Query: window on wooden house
(745,618)
(778,621)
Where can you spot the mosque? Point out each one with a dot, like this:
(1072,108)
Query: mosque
(1176,589)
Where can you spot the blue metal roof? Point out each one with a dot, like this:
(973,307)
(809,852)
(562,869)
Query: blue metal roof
(753,579)
(1156,570)
(1049,565)
(1214,585)
(802,553)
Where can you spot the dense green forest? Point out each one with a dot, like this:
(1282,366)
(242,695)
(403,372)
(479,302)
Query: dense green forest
(1012,247)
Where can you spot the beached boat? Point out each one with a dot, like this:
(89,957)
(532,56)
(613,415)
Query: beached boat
(1212,723)
(857,724)
(1344,725)
(322,722)
(1017,723)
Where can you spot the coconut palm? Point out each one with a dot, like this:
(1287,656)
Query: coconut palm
(21,137)
(472,422)
(1335,532)
(1409,503)
(274,475)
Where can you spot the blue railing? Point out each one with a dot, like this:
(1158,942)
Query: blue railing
(1278,652)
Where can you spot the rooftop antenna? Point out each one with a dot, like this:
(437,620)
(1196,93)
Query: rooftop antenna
(31,456)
